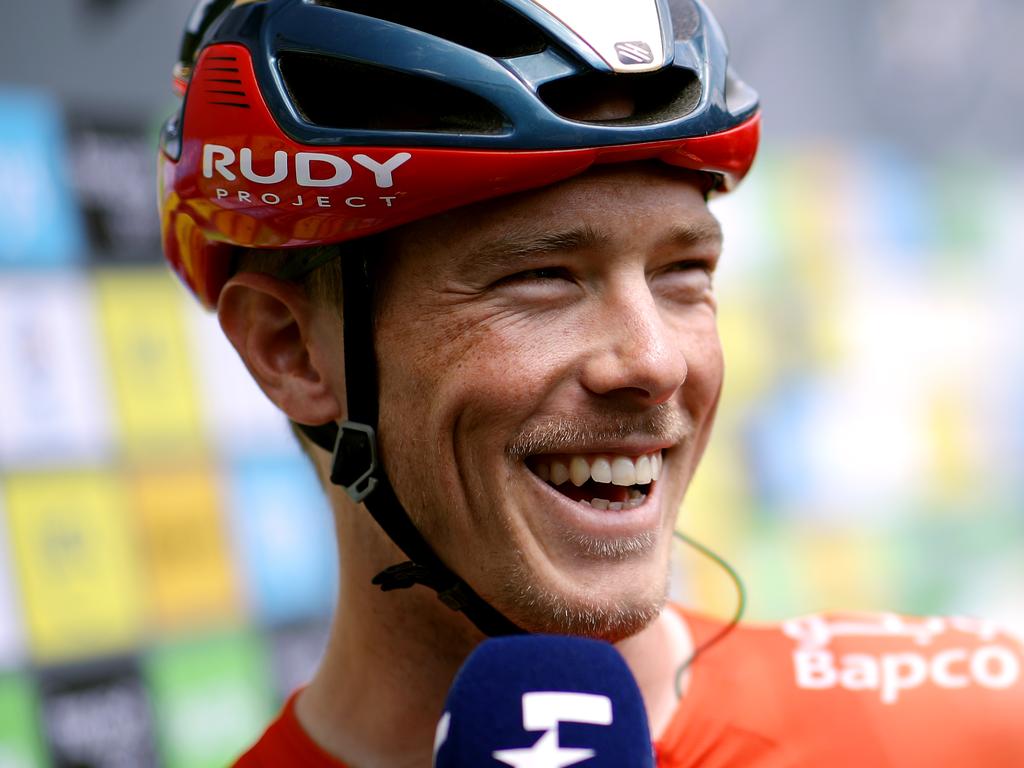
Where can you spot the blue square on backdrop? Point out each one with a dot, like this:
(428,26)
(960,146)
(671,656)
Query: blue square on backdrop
(284,532)
(40,224)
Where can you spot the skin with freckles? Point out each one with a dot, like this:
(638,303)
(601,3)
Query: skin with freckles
(575,320)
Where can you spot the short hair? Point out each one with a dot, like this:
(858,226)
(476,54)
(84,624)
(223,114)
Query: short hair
(317,269)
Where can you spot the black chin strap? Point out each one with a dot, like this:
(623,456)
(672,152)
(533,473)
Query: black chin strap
(356,467)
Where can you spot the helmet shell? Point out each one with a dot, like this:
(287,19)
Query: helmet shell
(306,123)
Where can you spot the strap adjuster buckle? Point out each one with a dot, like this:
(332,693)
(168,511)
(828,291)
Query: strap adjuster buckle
(355,460)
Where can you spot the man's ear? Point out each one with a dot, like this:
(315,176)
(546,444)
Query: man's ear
(291,347)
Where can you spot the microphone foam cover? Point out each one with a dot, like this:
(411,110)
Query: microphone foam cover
(543,701)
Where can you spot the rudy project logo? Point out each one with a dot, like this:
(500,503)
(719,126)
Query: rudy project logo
(636,52)
(305,169)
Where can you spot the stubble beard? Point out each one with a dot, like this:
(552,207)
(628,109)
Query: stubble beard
(521,595)
(538,608)
(541,609)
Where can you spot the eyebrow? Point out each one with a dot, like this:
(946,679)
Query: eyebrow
(706,230)
(522,244)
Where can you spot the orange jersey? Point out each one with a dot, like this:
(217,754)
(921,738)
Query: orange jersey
(842,691)
(847,691)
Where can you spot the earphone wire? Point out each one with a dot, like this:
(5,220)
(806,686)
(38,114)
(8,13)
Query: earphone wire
(741,606)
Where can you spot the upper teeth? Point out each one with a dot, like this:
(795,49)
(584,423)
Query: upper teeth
(617,470)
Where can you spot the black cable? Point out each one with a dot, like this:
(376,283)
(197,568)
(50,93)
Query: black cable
(741,606)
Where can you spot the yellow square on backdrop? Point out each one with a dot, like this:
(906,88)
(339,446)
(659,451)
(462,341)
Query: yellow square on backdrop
(151,373)
(846,570)
(715,513)
(76,563)
(185,548)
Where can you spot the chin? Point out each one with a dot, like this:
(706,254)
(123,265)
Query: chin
(586,613)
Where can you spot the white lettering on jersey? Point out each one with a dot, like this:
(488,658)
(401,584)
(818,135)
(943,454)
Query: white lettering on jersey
(995,666)
(819,666)
(817,632)
(989,666)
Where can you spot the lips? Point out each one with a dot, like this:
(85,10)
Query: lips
(603,481)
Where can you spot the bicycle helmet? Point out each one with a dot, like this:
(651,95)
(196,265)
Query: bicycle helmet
(314,122)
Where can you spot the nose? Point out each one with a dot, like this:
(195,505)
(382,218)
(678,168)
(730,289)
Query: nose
(638,352)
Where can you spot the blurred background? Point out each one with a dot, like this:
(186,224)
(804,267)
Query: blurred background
(166,566)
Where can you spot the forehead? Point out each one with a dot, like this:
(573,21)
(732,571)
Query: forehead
(609,205)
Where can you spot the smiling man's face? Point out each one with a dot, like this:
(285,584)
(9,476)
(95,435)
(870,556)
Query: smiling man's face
(549,370)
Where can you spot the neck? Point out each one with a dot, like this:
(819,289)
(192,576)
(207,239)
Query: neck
(654,655)
(391,659)
(378,679)
(389,662)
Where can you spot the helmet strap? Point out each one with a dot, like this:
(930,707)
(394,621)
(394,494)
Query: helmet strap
(356,468)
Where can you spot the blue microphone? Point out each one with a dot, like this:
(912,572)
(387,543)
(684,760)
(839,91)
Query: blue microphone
(541,701)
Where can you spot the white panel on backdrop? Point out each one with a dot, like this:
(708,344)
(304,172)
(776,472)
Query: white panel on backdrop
(53,403)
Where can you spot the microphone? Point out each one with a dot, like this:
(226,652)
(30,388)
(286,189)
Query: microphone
(544,701)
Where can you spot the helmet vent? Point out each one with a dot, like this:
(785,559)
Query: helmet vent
(685,18)
(338,93)
(485,26)
(631,99)
(219,81)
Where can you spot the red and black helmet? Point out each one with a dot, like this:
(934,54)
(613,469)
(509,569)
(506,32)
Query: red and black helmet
(310,122)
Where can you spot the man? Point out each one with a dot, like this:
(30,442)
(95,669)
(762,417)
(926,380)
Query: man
(467,253)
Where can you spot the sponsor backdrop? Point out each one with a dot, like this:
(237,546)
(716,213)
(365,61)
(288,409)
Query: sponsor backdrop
(166,566)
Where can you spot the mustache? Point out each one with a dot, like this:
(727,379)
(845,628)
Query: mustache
(566,434)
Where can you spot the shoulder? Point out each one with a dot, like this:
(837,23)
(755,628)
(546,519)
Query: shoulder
(863,689)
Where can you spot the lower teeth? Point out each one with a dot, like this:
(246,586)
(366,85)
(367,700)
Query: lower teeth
(635,500)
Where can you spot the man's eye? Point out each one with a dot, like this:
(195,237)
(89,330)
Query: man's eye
(694,269)
(698,265)
(539,274)
(687,280)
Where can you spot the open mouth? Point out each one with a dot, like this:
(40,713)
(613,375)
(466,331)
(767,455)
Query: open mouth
(602,481)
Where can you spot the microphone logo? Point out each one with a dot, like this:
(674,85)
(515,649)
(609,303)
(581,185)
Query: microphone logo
(543,711)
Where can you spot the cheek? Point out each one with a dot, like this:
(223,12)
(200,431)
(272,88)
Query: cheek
(705,373)
(461,358)
(465,386)
(450,405)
